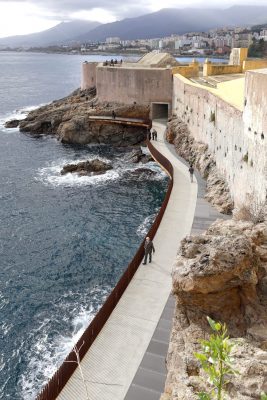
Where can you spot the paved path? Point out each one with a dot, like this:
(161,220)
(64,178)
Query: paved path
(149,380)
(120,120)
(112,361)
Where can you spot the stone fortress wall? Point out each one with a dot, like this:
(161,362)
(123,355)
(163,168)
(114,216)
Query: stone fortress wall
(236,138)
(231,120)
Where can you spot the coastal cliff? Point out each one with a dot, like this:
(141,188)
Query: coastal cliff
(222,274)
(69,120)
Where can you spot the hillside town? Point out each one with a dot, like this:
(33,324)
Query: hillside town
(218,42)
(215,42)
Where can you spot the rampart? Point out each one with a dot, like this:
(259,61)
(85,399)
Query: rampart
(129,85)
(254,64)
(188,71)
(236,139)
(220,69)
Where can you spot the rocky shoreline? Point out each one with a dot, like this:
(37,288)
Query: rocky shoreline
(69,120)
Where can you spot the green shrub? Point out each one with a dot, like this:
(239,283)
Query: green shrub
(216,361)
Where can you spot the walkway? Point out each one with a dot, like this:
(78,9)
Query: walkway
(112,361)
(149,380)
(120,120)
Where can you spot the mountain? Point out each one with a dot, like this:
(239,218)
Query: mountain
(178,21)
(64,32)
(155,25)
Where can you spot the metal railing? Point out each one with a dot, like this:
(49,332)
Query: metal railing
(54,386)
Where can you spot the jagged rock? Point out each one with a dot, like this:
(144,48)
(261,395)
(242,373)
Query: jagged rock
(137,156)
(94,167)
(223,274)
(69,119)
(198,154)
(140,173)
(13,123)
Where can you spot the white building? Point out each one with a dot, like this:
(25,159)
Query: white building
(111,40)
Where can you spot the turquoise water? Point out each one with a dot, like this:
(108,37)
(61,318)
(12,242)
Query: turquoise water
(64,240)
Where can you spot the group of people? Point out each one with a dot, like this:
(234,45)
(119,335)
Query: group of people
(111,63)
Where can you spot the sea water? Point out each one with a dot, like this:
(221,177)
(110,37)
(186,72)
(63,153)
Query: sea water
(64,240)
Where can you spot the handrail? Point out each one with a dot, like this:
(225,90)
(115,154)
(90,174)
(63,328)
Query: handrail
(54,386)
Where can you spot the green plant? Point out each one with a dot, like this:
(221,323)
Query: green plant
(263,396)
(215,360)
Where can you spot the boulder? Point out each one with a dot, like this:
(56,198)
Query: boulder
(13,123)
(94,167)
(140,173)
(137,156)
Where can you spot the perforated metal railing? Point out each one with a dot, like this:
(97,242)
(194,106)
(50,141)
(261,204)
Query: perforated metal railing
(54,386)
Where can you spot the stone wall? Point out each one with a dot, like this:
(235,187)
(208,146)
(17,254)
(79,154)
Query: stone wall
(240,155)
(220,69)
(254,64)
(88,75)
(188,71)
(128,85)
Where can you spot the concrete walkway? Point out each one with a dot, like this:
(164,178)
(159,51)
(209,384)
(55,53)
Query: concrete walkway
(149,380)
(112,361)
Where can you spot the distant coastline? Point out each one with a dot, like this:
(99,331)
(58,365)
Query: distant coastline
(110,53)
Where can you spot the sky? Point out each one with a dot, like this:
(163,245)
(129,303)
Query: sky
(19,17)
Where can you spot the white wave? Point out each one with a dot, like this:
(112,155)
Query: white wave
(51,175)
(19,114)
(47,355)
(143,228)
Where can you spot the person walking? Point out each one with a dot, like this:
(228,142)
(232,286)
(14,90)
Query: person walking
(191,172)
(113,114)
(154,134)
(149,247)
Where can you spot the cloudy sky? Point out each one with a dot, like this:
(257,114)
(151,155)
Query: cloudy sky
(26,16)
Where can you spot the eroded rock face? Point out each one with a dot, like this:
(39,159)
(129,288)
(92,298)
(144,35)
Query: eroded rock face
(94,167)
(69,119)
(221,273)
(198,154)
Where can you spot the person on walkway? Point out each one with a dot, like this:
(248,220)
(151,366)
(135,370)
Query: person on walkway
(113,115)
(154,134)
(191,172)
(149,247)
(148,135)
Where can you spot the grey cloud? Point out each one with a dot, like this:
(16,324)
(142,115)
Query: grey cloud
(63,8)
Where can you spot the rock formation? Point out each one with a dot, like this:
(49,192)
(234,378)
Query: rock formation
(198,154)
(69,119)
(94,167)
(137,156)
(13,123)
(140,173)
(223,274)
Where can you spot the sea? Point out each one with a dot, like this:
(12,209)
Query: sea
(64,240)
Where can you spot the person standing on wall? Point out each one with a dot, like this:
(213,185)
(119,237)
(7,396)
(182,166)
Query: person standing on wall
(191,172)
(149,247)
